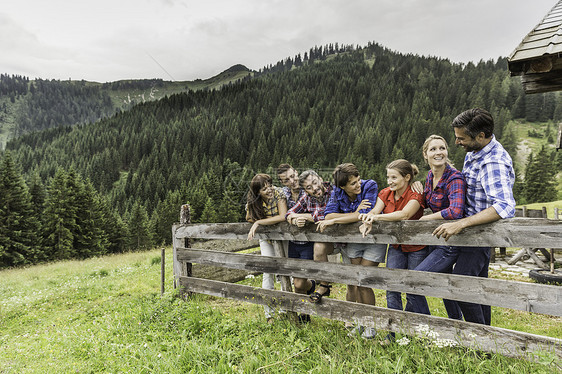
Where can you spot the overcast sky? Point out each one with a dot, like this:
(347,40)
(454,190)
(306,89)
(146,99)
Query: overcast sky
(109,40)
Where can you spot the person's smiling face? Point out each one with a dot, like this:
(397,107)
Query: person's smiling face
(290,179)
(353,186)
(396,182)
(266,192)
(463,139)
(437,153)
(313,186)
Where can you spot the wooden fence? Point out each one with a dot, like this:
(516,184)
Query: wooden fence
(516,232)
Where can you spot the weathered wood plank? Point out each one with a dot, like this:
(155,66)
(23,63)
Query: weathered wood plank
(487,338)
(220,273)
(285,280)
(530,297)
(514,232)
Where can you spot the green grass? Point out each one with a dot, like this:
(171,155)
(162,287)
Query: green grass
(549,207)
(106,315)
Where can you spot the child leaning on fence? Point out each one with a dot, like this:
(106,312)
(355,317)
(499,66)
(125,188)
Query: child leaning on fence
(350,197)
(266,205)
(399,202)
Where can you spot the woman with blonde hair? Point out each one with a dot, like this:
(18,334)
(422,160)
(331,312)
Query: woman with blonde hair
(444,193)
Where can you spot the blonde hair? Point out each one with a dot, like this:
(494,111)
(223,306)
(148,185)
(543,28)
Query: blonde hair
(425,147)
(404,167)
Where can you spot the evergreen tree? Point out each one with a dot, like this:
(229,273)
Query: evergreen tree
(91,240)
(509,141)
(165,215)
(18,225)
(139,228)
(230,207)
(540,182)
(60,220)
(114,228)
(209,214)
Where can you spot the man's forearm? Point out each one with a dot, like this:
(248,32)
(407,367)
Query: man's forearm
(487,215)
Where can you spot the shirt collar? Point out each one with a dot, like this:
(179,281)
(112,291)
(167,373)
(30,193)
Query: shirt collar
(479,154)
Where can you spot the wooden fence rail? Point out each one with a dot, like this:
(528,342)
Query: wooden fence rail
(517,232)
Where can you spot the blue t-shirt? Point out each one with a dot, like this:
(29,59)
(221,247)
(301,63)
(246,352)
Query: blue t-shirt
(340,203)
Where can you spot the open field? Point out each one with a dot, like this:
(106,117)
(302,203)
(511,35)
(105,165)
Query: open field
(549,207)
(106,315)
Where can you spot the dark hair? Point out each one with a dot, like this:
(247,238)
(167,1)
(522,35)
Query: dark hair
(475,121)
(343,172)
(404,167)
(305,174)
(283,168)
(254,200)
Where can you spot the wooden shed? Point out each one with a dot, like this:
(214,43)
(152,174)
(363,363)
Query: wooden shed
(538,58)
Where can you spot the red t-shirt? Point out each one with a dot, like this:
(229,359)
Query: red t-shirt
(392,205)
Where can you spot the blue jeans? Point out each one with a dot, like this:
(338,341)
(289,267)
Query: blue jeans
(474,261)
(441,260)
(396,259)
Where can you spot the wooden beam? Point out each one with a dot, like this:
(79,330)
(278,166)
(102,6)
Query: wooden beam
(514,232)
(436,329)
(542,82)
(531,297)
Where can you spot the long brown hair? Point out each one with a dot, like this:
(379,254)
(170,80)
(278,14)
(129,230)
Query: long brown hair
(254,200)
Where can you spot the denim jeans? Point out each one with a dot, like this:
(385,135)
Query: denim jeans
(441,260)
(396,259)
(268,281)
(474,261)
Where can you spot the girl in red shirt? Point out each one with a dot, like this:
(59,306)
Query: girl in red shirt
(399,202)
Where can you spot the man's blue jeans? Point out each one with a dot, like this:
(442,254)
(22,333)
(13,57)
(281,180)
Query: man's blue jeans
(396,259)
(473,261)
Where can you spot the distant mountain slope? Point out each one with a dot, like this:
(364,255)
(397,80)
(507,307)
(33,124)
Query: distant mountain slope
(367,106)
(33,105)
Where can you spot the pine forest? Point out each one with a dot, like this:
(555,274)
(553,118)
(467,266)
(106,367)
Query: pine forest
(83,176)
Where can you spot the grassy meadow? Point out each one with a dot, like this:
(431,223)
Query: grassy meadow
(106,315)
(549,208)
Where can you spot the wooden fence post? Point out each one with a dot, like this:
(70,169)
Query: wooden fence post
(162,271)
(284,280)
(182,268)
(279,252)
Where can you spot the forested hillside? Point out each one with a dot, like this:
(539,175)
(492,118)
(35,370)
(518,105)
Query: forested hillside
(364,105)
(33,105)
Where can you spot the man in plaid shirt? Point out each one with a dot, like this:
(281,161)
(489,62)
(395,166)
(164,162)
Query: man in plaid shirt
(310,208)
(488,170)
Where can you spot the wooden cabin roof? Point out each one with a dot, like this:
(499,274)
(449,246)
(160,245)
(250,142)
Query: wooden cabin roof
(538,58)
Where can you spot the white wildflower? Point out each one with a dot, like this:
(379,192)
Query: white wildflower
(441,343)
(432,334)
(422,328)
(403,341)
(249,276)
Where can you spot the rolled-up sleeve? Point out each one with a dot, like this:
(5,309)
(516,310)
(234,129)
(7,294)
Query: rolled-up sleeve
(456,193)
(371,192)
(497,181)
(333,205)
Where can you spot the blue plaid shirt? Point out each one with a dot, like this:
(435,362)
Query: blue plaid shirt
(489,178)
(340,203)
